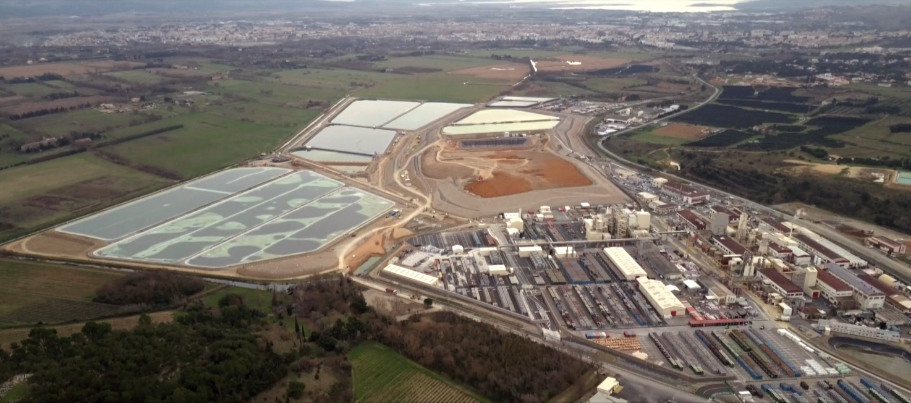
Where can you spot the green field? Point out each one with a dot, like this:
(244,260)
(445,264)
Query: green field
(137,76)
(631,55)
(275,93)
(550,88)
(382,375)
(610,85)
(436,87)
(336,79)
(36,292)
(874,140)
(85,120)
(61,189)
(204,144)
(891,92)
(519,53)
(62,85)
(441,62)
(8,155)
(654,138)
(32,90)
(265,114)
(15,394)
(252,298)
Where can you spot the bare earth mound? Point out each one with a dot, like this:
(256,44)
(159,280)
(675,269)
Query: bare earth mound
(56,243)
(499,174)
(682,131)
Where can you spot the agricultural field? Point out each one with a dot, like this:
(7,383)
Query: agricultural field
(264,114)
(34,70)
(335,79)
(723,139)
(84,120)
(515,53)
(821,133)
(438,87)
(259,299)
(433,63)
(874,140)
(732,117)
(137,77)
(276,93)
(786,107)
(63,188)
(35,292)
(671,135)
(32,90)
(610,85)
(537,88)
(205,143)
(382,375)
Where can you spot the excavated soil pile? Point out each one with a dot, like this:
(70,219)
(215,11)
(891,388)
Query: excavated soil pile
(542,172)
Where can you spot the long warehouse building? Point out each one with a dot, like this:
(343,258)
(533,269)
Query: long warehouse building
(620,258)
(411,275)
(660,297)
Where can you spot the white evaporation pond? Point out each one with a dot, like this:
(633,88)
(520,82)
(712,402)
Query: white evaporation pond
(359,140)
(331,156)
(513,104)
(423,115)
(527,99)
(500,127)
(487,116)
(373,113)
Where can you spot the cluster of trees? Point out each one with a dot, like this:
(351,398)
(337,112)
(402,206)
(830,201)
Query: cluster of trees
(760,182)
(48,111)
(199,357)
(149,288)
(896,163)
(25,80)
(900,128)
(820,153)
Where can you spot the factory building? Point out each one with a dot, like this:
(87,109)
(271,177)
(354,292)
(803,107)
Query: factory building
(643,220)
(844,257)
(659,182)
(411,275)
(691,221)
(719,225)
(663,300)
(806,278)
(893,297)
(526,251)
(834,326)
(732,217)
(563,252)
(689,195)
(780,252)
(661,208)
(866,295)
(887,245)
(822,253)
(718,291)
(646,197)
(498,270)
(780,283)
(728,246)
(832,289)
(620,258)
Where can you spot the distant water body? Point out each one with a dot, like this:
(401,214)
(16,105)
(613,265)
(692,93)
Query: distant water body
(657,6)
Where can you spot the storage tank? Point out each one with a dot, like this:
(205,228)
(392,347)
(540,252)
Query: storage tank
(458,249)
(887,280)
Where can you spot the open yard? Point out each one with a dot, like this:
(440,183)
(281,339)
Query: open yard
(64,188)
(382,375)
(205,143)
(36,292)
(575,63)
(438,87)
(683,131)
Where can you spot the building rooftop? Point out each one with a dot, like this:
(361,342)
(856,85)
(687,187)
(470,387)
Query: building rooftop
(731,244)
(780,280)
(852,280)
(721,209)
(659,293)
(879,285)
(624,261)
(410,274)
(778,248)
(886,241)
(818,247)
(832,281)
(690,216)
(685,190)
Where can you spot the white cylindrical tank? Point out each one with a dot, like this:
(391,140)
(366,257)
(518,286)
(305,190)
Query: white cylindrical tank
(458,249)
(887,280)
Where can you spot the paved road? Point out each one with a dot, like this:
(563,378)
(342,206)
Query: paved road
(896,268)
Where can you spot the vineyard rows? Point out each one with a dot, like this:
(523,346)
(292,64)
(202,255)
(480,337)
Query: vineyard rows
(382,375)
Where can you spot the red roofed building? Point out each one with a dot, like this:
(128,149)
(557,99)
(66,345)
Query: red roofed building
(831,288)
(691,220)
(780,283)
(686,193)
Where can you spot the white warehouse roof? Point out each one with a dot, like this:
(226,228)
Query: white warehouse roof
(411,275)
(647,196)
(624,262)
(658,294)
